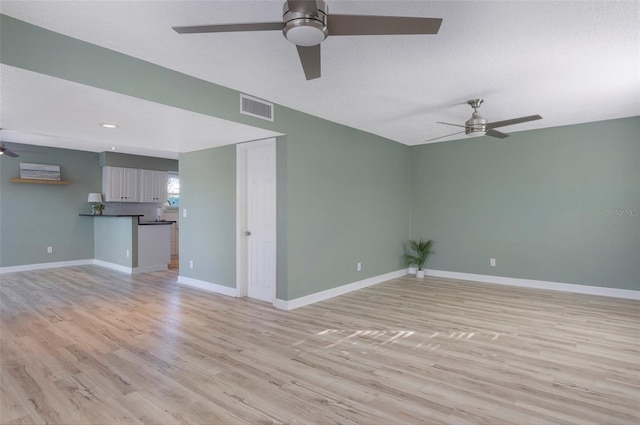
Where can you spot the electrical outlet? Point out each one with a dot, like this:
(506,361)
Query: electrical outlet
(128,253)
(190,264)
(492,262)
(184,212)
(49,250)
(359,267)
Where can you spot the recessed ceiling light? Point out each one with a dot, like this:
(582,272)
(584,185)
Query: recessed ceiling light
(107,125)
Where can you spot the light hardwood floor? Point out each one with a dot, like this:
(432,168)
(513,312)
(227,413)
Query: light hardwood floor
(88,345)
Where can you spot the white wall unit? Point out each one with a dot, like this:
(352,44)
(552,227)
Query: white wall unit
(153,186)
(120,184)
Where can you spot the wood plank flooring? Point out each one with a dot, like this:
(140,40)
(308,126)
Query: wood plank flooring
(84,345)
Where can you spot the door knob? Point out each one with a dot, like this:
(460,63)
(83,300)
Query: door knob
(247,233)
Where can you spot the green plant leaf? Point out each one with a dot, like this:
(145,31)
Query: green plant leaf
(417,253)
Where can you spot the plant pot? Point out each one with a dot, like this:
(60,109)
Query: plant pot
(420,274)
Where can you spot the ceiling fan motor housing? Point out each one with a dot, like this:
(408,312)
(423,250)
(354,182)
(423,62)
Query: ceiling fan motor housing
(304,29)
(475,124)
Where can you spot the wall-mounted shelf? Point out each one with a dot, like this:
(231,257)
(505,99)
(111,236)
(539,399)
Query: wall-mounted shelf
(35,181)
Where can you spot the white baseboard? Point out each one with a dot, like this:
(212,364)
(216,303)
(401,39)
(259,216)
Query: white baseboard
(113,266)
(126,269)
(537,284)
(208,286)
(334,292)
(39,266)
(344,289)
(148,269)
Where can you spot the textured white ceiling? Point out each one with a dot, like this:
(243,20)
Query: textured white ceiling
(569,61)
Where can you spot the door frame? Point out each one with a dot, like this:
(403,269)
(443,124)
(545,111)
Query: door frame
(242,246)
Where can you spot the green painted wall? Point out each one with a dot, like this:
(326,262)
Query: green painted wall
(343,198)
(115,159)
(207,234)
(35,216)
(113,237)
(347,198)
(559,204)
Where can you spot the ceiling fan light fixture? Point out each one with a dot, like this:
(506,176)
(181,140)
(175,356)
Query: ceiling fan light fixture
(304,29)
(309,34)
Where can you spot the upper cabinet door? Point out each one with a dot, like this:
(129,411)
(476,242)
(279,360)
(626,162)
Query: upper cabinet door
(111,186)
(120,184)
(130,185)
(153,186)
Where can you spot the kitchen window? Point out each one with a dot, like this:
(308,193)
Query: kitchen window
(173,190)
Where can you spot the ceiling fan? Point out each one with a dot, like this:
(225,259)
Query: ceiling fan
(478,125)
(307,23)
(5,151)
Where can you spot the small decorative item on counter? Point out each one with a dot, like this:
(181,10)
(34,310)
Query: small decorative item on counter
(96,203)
(96,209)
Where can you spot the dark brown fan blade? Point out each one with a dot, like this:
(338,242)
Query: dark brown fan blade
(381,25)
(442,137)
(310,7)
(495,133)
(257,26)
(5,151)
(455,125)
(513,121)
(310,59)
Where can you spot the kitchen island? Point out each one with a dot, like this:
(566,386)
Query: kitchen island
(127,243)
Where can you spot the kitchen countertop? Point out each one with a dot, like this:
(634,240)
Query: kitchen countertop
(140,222)
(112,215)
(152,223)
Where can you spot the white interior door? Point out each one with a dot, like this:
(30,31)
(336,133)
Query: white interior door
(260,228)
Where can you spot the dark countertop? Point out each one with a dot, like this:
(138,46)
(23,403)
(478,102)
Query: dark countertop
(140,222)
(112,215)
(154,223)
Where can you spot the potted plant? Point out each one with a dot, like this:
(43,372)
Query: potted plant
(417,253)
(96,209)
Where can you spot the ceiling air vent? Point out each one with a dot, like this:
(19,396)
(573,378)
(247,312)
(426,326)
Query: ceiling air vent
(256,107)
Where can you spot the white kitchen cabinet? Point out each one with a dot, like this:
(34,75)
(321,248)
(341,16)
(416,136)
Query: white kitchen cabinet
(153,186)
(120,184)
